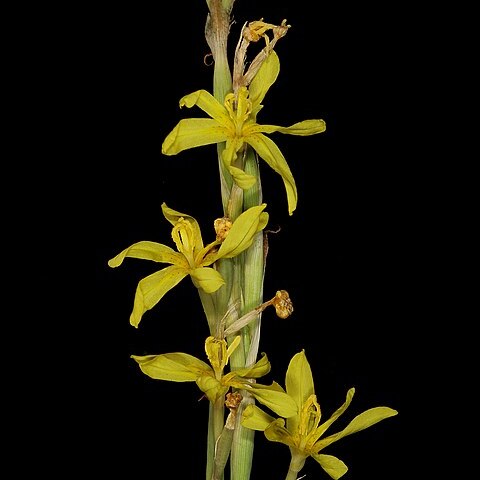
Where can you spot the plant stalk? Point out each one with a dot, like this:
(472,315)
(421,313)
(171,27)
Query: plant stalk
(296,464)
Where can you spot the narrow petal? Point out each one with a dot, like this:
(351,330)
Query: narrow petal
(269,151)
(302,129)
(150,251)
(276,432)
(242,179)
(299,384)
(206,256)
(193,132)
(279,402)
(176,367)
(332,465)
(360,422)
(206,278)
(263,80)
(240,236)
(209,104)
(255,418)
(151,289)
(261,368)
(324,426)
(173,217)
(229,154)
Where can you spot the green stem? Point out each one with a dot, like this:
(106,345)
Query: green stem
(296,464)
(209,308)
(252,275)
(215,427)
(216,33)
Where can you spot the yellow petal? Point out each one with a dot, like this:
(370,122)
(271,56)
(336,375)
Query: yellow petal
(323,427)
(151,289)
(240,236)
(173,217)
(255,418)
(302,129)
(206,278)
(261,368)
(360,422)
(150,251)
(233,346)
(176,367)
(299,384)
(332,465)
(268,150)
(211,387)
(263,221)
(206,256)
(209,104)
(216,350)
(191,133)
(242,179)
(263,80)
(276,432)
(279,402)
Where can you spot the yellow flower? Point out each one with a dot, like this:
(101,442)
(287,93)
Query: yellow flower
(235,123)
(303,432)
(182,367)
(192,257)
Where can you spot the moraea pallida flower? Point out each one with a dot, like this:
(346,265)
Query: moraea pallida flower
(235,123)
(182,367)
(191,258)
(303,432)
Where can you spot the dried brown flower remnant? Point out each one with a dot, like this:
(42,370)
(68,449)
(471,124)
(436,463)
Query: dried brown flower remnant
(257,29)
(282,303)
(222,227)
(233,400)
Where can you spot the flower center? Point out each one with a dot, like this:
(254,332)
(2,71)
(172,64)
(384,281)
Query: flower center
(309,418)
(239,109)
(184,238)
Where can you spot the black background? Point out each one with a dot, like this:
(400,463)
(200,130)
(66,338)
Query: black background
(348,256)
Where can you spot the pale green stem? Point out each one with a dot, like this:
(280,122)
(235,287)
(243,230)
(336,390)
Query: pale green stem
(242,446)
(254,265)
(296,464)
(210,444)
(216,34)
(215,426)
(210,310)
(252,280)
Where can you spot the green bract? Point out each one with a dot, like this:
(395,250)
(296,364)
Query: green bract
(235,123)
(191,258)
(182,367)
(303,432)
